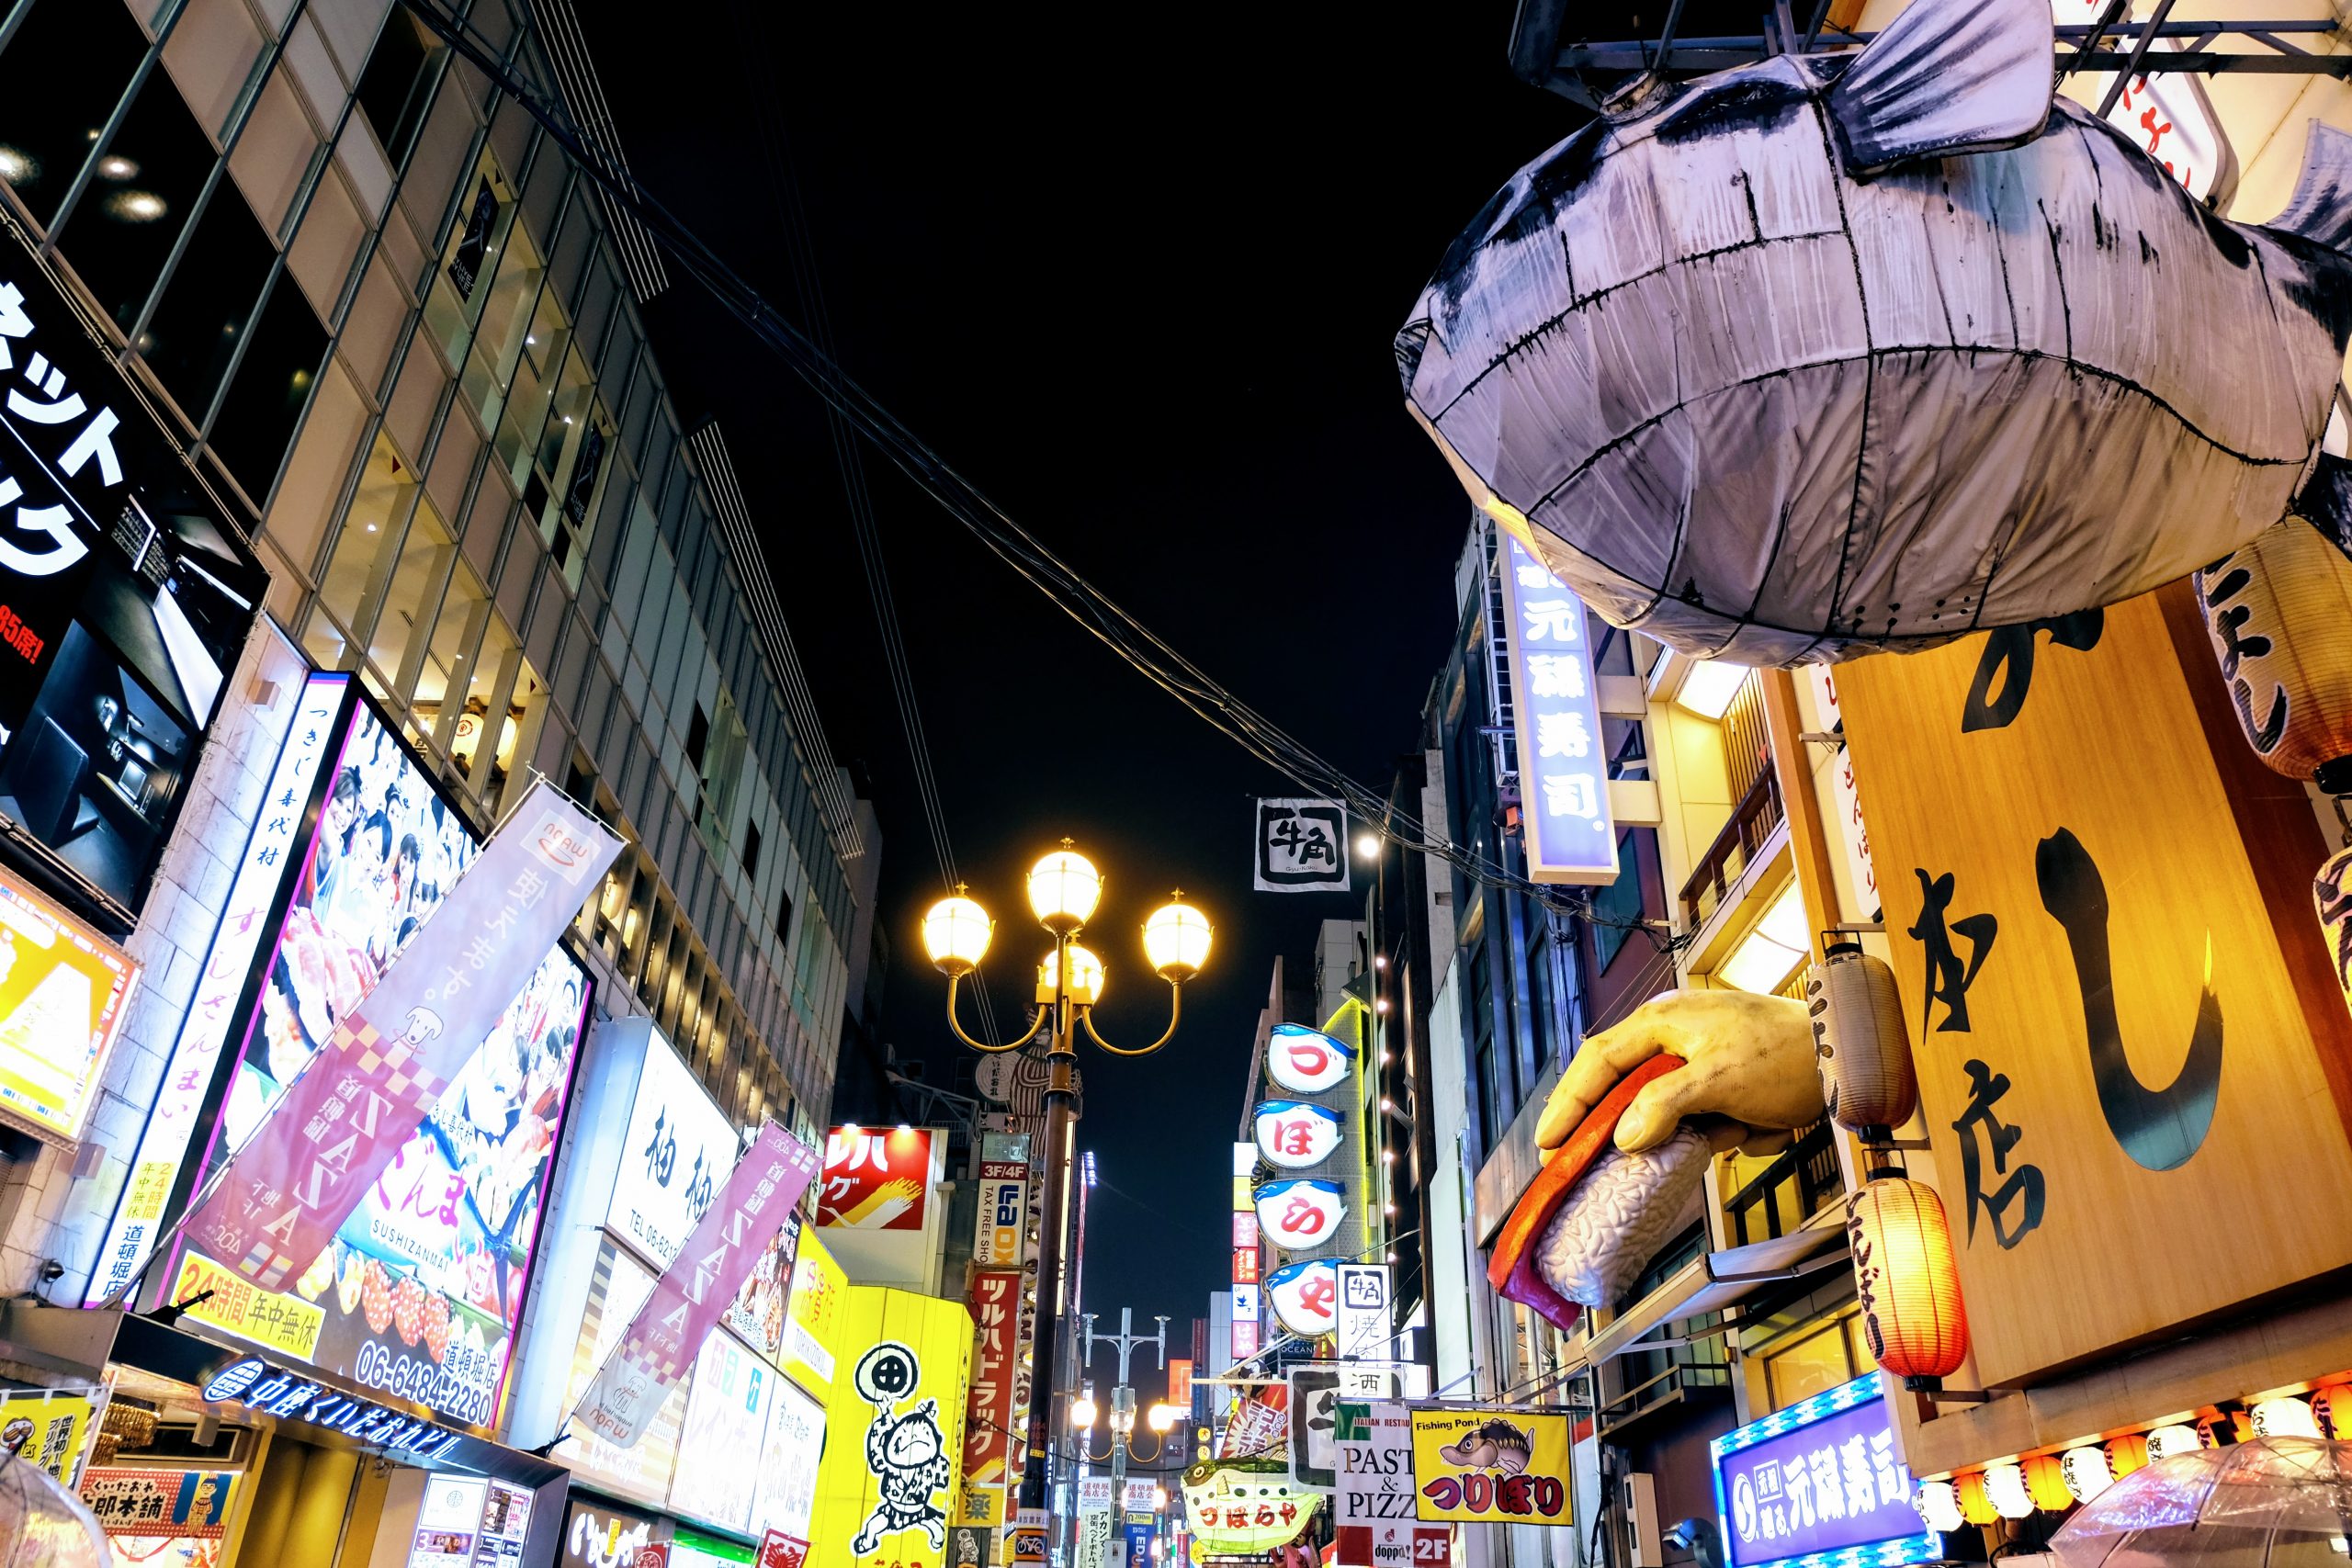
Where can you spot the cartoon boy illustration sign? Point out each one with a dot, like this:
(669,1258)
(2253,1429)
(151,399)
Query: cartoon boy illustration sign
(906,1453)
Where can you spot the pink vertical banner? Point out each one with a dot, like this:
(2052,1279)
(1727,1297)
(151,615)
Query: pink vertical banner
(281,1197)
(692,1295)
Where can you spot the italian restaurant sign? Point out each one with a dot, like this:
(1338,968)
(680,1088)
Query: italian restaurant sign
(1819,1481)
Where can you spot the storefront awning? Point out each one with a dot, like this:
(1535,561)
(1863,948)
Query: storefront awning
(1715,1280)
(257,1387)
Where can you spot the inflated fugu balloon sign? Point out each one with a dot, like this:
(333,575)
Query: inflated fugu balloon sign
(1839,353)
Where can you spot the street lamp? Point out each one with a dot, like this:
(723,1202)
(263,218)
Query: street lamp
(1064,889)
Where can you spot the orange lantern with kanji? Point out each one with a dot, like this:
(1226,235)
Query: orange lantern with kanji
(1975,1504)
(1903,1273)
(2125,1455)
(2045,1482)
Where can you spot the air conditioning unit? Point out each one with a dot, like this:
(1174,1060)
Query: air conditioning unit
(1639,1511)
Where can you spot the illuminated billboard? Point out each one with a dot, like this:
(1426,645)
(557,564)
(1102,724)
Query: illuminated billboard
(63,992)
(421,1289)
(126,596)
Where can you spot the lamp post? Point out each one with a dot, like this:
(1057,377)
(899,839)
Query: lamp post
(1123,1397)
(1064,888)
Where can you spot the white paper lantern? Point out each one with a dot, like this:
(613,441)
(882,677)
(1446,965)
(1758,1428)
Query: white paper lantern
(2087,1472)
(2004,1485)
(2285,1416)
(1938,1504)
(2166,1441)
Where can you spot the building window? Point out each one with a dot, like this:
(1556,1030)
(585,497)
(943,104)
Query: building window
(273,384)
(49,118)
(398,82)
(1821,1360)
(143,191)
(751,848)
(214,293)
(698,737)
(460,282)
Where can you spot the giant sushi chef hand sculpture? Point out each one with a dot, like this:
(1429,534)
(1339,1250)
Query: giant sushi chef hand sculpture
(1629,1130)
(1833,354)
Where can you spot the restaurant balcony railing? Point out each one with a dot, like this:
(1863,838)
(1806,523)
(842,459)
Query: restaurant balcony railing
(1758,812)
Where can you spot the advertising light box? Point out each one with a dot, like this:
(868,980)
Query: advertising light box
(1820,1482)
(787,1499)
(63,989)
(313,739)
(420,1292)
(719,1446)
(642,1473)
(678,1149)
(894,1454)
(126,595)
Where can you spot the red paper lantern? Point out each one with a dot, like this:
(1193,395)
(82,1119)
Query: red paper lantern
(1903,1272)
(2045,1482)
(1975,1505)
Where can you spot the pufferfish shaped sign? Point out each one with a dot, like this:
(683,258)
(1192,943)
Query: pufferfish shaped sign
(1306,1061)
(1295,1133)
(1300,1213)
(1305,1297)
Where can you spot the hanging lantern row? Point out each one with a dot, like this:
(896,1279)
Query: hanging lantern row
(2051,1483)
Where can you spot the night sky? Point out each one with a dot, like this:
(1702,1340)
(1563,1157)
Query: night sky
(1136,272)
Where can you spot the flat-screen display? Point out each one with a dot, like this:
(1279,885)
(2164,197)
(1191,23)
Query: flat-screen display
(126,595)
(421,1289)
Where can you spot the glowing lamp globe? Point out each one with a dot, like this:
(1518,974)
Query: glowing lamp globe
(1176,940)
(1912,1315)
(1085,976)
(1082,1414)
(955,933)
(1162,1418)
(1063,887)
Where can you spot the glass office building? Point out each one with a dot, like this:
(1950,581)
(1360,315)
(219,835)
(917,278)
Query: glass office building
(397,334)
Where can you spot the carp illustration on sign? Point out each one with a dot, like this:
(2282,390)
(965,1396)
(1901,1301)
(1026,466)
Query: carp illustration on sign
(1841,352)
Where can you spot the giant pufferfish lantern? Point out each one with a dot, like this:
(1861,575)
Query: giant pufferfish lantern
(1835,353)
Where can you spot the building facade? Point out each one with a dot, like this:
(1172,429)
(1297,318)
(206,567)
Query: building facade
(372,511)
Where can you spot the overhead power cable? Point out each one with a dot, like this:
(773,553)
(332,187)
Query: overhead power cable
(1019,549)
(751,20)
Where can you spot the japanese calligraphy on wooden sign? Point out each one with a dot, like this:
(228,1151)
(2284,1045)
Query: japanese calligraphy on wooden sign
(1563,768)
(1302,846)
(2111,1048)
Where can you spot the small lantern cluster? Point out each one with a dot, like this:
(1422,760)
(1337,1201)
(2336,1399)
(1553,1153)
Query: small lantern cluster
(1903,1269)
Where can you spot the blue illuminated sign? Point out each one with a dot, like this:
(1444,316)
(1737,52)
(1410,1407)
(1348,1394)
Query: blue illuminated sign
(1818,1486)
(257,1385)
(1562,766)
